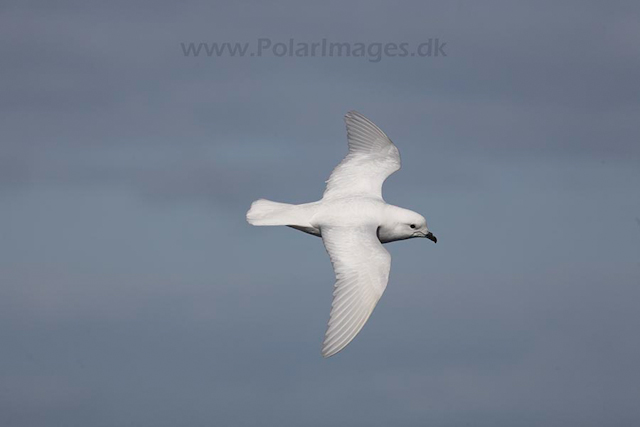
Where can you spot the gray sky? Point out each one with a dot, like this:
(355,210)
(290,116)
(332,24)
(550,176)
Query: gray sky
(134,293)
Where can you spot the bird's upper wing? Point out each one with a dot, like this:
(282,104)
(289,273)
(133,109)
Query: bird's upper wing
(371,159)
(362,267)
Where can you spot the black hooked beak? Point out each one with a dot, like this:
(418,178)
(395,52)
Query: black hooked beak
(431,237)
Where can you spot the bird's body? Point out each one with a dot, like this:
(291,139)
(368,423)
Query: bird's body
(353,221)
(352,211)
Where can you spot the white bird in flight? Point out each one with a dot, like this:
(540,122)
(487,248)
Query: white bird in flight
(353,220)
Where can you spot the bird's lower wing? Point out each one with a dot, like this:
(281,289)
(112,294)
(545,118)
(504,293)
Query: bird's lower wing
(361,267)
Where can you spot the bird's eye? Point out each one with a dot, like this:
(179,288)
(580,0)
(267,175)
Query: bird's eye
(412,226)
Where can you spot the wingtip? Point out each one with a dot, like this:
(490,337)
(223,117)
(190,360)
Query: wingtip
(330,349)
(327,354)
(352,113)
(327,351)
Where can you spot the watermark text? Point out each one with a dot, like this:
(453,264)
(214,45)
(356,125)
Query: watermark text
(265,47)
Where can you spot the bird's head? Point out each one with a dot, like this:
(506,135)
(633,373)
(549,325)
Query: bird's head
(417,227)
(407,225)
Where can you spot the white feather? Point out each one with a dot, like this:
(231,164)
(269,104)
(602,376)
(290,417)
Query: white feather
(361,266)
(371,159)
(352,219)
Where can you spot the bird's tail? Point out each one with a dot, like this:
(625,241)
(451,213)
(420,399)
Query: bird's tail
(266,212)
